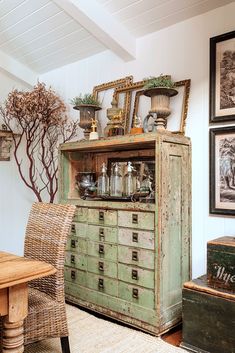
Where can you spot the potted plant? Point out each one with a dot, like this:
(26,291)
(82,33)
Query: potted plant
(87,104)
(160,89)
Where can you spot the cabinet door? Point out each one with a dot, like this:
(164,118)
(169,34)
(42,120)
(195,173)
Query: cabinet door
(137,257)
(102,233)
(102,250)
(76,260)
(136,238)
(102,267)
(136,275)
(139,220)
(102,217)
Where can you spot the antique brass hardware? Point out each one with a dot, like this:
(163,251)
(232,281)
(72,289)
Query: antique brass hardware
(72,259)
(135,237)
(101,266)
(101,249)
(134,274)
(73,228)
(73,274)
(101,216)
(101,283)
(101,234)
(134,218)
(134,255)
(73,243)
(135,293)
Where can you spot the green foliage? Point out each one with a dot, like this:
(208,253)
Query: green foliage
(86,99)
(161,81)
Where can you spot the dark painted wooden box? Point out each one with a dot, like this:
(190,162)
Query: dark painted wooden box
(221,263)
(208,318)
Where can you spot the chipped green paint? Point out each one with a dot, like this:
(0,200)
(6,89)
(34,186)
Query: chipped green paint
(138,255)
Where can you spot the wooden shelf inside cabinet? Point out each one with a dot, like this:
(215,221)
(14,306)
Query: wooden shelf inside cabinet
(129,260)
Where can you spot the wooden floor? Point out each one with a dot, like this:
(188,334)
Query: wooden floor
(173,336)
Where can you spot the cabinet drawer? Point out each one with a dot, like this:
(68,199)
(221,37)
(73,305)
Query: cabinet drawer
(139,220)
(76,244)
(141,296)
(100,233)
(79,229)
(136,257)
(136,238)
(76,260)
(136,275)
(103,251)
(81,214)
(102,217)
(75,276)
(102,284)
(102,267)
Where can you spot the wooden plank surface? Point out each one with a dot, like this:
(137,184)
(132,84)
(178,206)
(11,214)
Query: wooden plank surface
(200,284)
(16,269)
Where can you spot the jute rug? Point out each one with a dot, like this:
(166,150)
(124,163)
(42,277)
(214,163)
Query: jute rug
(89,334)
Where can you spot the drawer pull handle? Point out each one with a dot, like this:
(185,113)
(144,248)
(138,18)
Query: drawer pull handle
(72,259)
(134,218)
(73,274)
(101,216)
(101,234)
(135,293)
(101,283)
(73,243)
(101,266)
(135,237)
(73,228)
(101,249)
(134,255)
(134,274)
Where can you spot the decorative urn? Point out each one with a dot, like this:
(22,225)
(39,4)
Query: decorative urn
(160,103)
(87,114)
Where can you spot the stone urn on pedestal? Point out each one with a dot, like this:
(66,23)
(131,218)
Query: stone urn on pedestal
(87,107)
(160,90)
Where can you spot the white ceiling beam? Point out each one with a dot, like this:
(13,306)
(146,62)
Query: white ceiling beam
(100,23)
(17,70)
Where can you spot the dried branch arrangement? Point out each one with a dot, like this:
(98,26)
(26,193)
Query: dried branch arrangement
(39,119)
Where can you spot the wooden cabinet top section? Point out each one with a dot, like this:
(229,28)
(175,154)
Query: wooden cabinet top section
(146,140)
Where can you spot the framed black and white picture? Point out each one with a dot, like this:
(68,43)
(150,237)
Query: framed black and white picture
(222,170)
(222,77)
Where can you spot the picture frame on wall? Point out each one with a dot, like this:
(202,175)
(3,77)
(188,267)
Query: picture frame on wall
(222,78)
(222,170)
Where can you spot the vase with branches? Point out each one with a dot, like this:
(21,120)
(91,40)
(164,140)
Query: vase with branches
(38,119)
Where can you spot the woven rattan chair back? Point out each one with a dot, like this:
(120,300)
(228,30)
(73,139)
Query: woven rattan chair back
(46,235)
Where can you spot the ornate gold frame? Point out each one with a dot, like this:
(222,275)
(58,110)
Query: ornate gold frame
(138,86)
(122,82)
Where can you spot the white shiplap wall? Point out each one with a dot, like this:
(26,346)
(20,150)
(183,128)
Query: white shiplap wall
(181,50)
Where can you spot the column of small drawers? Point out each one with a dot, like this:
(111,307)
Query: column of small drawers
(129,272)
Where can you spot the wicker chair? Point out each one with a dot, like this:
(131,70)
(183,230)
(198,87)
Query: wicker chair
(46,234)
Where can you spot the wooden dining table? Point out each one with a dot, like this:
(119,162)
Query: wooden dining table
(15,274)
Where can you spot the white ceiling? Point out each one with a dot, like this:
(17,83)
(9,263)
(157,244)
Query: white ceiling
(42,35)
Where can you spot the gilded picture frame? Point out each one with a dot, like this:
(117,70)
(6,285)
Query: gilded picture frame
(112,85)
(222,78)
(138,87)
(222,170)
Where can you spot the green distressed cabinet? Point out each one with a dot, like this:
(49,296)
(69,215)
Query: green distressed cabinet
(128,260)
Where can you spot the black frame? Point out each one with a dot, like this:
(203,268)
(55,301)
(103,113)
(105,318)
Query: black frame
(212,137)
(212,90)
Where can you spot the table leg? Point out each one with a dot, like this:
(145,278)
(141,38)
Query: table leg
(13,337)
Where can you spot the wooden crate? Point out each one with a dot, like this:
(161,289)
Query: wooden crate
(208,318)
(221,263)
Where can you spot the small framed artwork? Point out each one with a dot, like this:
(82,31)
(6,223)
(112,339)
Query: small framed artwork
(222,170)
(222,77)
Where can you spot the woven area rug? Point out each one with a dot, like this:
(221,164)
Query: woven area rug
(89,334)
